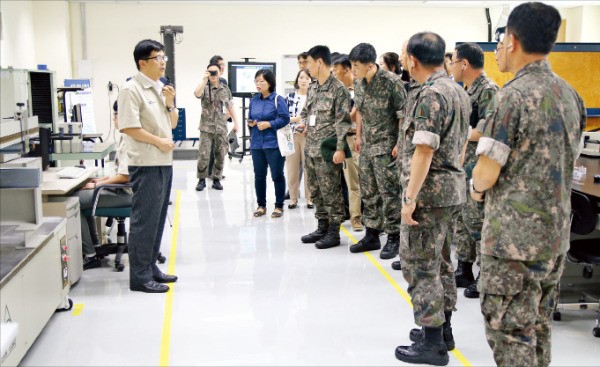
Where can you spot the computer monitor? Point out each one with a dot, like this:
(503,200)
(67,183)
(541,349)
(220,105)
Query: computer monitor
(241,76)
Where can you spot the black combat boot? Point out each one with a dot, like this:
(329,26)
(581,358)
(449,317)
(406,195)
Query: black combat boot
(471,290)
(321,231)
(369,243)
(397,265)
(331,239)
(428,350)
(416,334)
(392,246)
(464,274)
(201,184)
(217,185)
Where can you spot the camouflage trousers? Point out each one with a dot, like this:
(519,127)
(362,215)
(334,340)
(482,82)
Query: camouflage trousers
(517,300)
(426,264)
(325,186)
(380,189)
(466,232)
(220,147)
(468,226)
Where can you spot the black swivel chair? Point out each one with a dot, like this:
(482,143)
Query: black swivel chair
(584,218)
(120,214)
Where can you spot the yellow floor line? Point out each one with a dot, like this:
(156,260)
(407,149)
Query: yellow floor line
(77,309)
(464,361)
(165,345)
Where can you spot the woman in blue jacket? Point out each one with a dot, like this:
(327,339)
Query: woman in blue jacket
(268,112)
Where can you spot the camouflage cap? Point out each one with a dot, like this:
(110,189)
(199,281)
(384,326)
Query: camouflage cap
(328,148)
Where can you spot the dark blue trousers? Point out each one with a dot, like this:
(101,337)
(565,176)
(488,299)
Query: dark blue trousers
(263,158)
(149,204)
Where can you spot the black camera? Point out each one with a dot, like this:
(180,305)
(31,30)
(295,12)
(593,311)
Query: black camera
(213,72)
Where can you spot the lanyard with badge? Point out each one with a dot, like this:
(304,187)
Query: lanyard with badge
(312,118)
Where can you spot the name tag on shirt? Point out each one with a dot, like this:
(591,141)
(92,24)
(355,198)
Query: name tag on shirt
(312,120)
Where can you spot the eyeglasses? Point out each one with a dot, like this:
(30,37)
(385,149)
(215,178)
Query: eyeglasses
(259,81)
(452,63)
(159,58)
(500,48)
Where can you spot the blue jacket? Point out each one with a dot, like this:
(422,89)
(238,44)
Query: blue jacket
(263,109)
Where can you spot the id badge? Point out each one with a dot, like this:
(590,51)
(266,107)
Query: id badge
(312,120)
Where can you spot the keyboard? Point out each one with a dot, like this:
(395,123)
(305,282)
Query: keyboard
(71,172)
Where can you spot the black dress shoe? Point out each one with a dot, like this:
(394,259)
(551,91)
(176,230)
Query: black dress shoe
(310,206)
(150,287)
(397,265)
(164,278)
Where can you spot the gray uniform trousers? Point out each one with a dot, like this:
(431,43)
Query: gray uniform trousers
(151,191)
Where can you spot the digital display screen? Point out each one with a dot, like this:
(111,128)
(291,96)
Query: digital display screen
(241,76)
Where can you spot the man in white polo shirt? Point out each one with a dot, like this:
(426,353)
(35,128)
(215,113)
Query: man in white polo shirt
(147,114)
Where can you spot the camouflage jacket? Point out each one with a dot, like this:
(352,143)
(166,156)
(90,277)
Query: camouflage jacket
(482,91)
(330,103)
(532,129)
(214,109)
(412,89)
(438,117)
(381,104)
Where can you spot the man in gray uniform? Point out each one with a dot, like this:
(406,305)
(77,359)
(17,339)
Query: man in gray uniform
(435,133)
(380,98)
(147,115)
(531,138)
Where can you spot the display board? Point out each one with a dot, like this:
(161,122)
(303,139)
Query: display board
(577,63)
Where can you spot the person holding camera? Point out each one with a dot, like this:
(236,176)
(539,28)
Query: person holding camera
(216,101)
(267,113)
(295,162)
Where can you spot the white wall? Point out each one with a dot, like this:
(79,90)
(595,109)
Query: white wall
(590,25)
(49,32)
(52,37)
(265,32)
(17,48)
(36,32)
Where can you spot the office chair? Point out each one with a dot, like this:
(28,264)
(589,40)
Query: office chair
(583,251)
(120,213)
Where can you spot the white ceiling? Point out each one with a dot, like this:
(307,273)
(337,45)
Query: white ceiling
(408,3)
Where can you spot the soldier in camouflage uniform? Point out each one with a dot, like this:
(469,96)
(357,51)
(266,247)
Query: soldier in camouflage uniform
(467,67)
(531,138)
(216,100)
(325,115)
(435,132)
(380,97)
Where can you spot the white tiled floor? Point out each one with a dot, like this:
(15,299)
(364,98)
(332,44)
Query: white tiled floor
(250,293)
